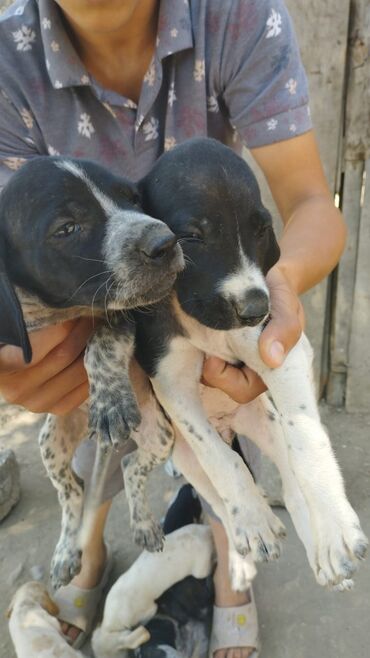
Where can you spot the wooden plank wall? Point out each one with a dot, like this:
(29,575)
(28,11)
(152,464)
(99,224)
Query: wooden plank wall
(349,380)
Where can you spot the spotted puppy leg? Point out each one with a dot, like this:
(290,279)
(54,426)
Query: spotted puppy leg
(339,542)
(253,526)
(241,568)
(154,438)
(114,412)
(58,440)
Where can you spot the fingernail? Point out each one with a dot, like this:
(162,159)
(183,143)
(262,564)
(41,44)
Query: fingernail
(277,352)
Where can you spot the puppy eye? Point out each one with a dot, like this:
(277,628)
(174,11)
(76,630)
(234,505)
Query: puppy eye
(67,229)
(194,235)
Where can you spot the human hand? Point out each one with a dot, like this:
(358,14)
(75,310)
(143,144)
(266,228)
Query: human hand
(279,336)
(55,380)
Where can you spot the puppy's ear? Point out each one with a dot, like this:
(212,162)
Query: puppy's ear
(272,251)
(12,326)
(49,605)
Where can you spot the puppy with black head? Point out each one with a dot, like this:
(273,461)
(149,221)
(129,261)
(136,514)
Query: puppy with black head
(75,241)
(209,198)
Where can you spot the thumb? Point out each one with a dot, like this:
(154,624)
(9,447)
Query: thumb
(287,320)
(279,337)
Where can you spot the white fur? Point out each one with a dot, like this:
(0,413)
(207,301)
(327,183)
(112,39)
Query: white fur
(132,600)
(289,432)
(109,207)
(248,275)
(295,440)
(34,631)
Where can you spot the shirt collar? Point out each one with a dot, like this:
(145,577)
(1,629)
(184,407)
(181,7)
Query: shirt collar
(63,63)
(174,28)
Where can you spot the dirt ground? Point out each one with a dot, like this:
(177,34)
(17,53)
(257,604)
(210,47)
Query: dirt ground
(297,618)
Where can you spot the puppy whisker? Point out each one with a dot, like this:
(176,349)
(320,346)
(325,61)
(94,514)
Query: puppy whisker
(106,297)
(95,294)
(188,260)
(93,260)
(86,281)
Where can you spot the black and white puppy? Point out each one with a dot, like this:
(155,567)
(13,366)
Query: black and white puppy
(75,241)
(209,198)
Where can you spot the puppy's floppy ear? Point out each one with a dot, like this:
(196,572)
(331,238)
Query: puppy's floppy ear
(271,249)
(272,253)
(49,605)
(12,326)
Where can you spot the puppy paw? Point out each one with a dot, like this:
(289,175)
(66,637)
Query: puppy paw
(148,535)
(341,546)
(257,530)
(65,565)
(114,420)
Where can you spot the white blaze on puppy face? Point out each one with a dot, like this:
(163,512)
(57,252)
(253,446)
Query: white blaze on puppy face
(109,207)
(123,227)
(246,277)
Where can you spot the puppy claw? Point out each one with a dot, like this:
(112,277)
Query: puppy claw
(268,552)
(114,424)
(360,549)
(345,586)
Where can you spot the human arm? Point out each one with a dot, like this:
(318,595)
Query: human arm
(311,244)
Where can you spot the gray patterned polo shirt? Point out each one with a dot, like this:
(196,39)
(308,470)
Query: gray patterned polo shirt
(229,69)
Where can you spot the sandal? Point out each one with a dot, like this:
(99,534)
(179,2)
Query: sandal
(79,607)
(235,628)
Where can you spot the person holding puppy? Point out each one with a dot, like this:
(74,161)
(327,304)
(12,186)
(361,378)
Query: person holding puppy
(120,81)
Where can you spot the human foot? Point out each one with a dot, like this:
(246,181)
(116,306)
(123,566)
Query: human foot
(89,579)
(230,618)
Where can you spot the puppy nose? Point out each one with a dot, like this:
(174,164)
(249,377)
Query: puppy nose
(253,307)
(156,245)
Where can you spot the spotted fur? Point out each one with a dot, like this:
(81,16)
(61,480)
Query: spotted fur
(219,307)
(90,249)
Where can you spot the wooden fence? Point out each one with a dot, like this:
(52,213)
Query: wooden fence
(334,37)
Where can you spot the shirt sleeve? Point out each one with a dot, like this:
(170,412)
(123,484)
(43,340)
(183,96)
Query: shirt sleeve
(264,85)
(16,138)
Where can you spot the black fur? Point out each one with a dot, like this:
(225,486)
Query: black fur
(209,197)
(53,227)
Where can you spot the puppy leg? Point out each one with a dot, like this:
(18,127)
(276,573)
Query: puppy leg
(339,542)
(146,530)
(241,568)
(114,412)
(58,440)
(261,421)
(154,438)
(253,526)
